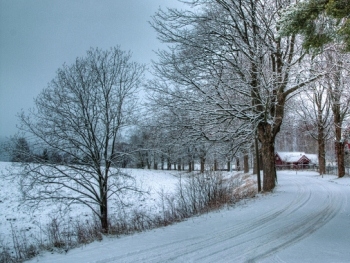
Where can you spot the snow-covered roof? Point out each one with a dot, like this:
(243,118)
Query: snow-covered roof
(312,157)
(290,157)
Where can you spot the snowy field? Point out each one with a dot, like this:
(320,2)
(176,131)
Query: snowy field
(306,219)
(16,217)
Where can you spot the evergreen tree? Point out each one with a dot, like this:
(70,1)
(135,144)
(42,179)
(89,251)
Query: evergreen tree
(319,21)
(21,151)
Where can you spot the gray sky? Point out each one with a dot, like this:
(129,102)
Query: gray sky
(38,36)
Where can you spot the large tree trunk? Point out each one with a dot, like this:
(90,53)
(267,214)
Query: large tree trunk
(215,165)
(335,89)
(202,158)
(104,201)
(162,162)
(142,163)
(103,205)
(155,163)
(270,176)
(320,133)
(255,166)
(267,140)
(148,163)
(339,144)
(321,151)
(339,148)
(168,164)
(246,163)
(104,216)
(179,164)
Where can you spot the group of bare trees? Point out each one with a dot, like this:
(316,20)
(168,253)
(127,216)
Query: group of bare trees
(228,73)
(321,111)
(227,77)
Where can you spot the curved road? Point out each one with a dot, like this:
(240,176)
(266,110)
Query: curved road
(306,219)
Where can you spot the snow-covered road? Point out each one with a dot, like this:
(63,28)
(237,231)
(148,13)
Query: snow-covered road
(306,219)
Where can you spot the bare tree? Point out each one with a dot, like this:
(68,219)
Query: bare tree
(80,115)
(315,111)
(328,97)
(337,82)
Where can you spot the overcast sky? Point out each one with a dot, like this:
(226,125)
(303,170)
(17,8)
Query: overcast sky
(38,36)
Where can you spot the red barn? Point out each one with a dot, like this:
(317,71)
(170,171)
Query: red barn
(291,159)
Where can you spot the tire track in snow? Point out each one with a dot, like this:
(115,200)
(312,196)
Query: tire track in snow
(257,232)
(234,232)
(304,226)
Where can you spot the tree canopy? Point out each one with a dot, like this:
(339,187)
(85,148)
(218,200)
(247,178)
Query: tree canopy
(319,21)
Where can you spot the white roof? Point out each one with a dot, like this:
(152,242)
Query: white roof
(312,157)
(290,157)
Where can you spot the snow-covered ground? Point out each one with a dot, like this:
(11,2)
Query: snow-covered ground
(306,219)
(14,217)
